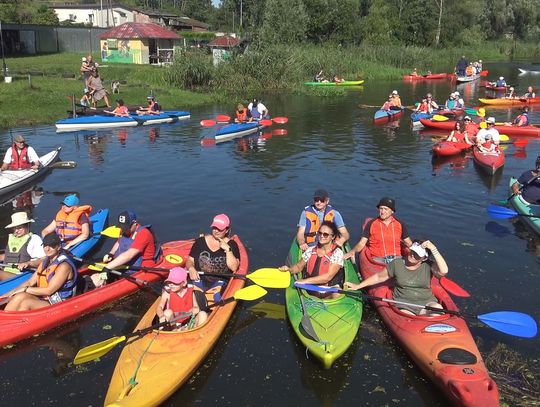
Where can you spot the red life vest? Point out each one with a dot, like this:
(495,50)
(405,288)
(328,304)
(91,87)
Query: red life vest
(68,226)
(522,117)
(385,240)
(423,108)
(318,266)
(459,136)
(19,160)
(313,223)
(181,304)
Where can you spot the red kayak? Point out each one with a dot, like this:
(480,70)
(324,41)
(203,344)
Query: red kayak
(18,325)
(532,131)
(441,346)
(384,116)
(426,77)
(448,148)
(489,162)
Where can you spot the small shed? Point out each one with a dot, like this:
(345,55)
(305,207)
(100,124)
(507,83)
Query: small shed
(138,43)
(222,47)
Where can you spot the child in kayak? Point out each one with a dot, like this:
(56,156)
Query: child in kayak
(178,298)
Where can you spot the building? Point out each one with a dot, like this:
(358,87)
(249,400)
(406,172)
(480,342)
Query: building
(223,46)
(138,43)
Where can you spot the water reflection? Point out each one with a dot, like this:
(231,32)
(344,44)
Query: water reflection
(455,163)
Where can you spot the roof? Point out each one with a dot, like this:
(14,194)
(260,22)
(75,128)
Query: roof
(225,41)
(139,30)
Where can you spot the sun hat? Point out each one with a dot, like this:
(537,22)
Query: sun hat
(19,138)
(389,202)
(71,200)
(419,250)
(177,275)
(126,219)
(19,218)
(490,120)
(221,222)
(51,240)
(467,118)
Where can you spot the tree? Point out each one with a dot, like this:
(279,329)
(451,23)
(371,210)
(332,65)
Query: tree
(284,21)
(378,27)
(340,22)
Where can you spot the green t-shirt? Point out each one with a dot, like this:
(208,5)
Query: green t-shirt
(411,286)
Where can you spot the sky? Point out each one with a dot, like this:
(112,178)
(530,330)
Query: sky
(216,2)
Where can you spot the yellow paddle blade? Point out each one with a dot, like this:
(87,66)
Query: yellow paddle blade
(97,350)
(439,118)
(112,231)
(270,278)
(483,125)
(250,293)
(174,259)
(99,267)
(481,112)
(504,137)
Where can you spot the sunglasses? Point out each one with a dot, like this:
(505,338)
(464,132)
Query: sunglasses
(218,229)
(319,199)
(467,120)
(325,234)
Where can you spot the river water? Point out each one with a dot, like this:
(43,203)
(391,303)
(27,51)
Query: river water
(263,182)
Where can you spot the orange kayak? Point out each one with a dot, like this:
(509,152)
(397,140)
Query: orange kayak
(151,368)
(441,346)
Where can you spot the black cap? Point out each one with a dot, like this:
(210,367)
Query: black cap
(126,219)
(389,202)
(321,193)
(51,240)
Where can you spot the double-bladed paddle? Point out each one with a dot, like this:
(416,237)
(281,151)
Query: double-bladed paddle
(500,212)
(508,322)
(97,350)
(453,288)
(62,165)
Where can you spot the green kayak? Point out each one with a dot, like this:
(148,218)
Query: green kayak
(523,207)
(335,321)
(346,83)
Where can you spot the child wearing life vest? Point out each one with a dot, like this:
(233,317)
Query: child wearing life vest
(488,147)
(178,298)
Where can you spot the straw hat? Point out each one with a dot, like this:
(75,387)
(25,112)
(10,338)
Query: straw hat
(19,218)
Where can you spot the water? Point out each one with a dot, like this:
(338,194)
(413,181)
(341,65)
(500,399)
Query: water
(263,183)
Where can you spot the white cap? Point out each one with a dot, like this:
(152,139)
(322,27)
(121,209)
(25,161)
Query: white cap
(84,59)
(490,120)
(419,250)
(394,92)
(457,93)
(501,78)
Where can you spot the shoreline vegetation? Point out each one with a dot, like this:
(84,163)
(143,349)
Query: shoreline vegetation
(192,80)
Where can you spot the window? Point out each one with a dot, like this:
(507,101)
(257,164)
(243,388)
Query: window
(72,17)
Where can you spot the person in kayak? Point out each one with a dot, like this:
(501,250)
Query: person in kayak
(433,106)
(215,253)
(320,77)
(23,249)
(521,120)
(528,184)
(54,281)
(396,101)
(242,114)
(20,156)
(412,276)
(511,93)
(152,108)
(313,216)
(470,127)
(387,105)
(530,93)
(179,297)
(450,103)
(257,110)
(489,133)
(136,246)
(500,82)
(120,109)
(461,66)
(324,261)
(383,235)
(460,103)
(71,223)
(459,134)
(414,72)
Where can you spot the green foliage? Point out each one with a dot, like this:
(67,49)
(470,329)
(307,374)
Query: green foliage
(333,20)
(378,26)
(189,70)
(27,12)
(284,21)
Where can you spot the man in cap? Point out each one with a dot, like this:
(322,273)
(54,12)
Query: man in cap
(313,216)
(461,66)
(383,235)
(20,156)
(71,223)
(24,249)
(257,110)
(152,108)
(500,82)
(528,184)
(488,133)
(396,100)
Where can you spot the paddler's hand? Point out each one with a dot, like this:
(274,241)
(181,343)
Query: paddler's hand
(107,258)
(304,246)
(348,255)
(283,268)
(351,286)
(194,275)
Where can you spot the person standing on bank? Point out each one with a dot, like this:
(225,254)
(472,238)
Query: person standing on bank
(20,156)
(312,218)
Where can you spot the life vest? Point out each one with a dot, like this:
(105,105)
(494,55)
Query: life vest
(459,104)
(45,273)
(19,160)
(255,112)
(423,108)
(459,136)
(450,104)
(124,243)
(313,223)
(469,71)
(500,83)
(68,226)
(181,304)
(524,117)
(16,251)
(241,115)
(318,266)
(385,240)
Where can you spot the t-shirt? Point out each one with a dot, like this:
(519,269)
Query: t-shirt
(531,192)
(211,262)
(32,155)
(485,134)
(145,244)
(35,247)
(411,286)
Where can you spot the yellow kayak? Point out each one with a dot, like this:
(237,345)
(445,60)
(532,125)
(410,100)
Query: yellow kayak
(150,369)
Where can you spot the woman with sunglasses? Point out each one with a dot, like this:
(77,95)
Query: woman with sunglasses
(412,276)
(324,261)
(459,134)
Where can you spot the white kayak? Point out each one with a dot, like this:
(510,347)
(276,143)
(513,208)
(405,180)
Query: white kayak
(525,71)
(11,180)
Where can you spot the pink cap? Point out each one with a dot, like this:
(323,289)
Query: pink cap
(221,222)
(177,275)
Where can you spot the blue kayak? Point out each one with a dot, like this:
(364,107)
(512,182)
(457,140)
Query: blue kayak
(97,121)
(234,130)
(416,116)
(382,116)
(99,222)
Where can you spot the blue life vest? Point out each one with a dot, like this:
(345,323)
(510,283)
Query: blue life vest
(451,103)
(124,244)
(255,112)
(46,271)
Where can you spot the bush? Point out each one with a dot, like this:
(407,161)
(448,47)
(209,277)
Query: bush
(189,70)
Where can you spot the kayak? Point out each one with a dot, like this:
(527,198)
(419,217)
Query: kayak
(94,122)
(488,162)
(383,116)
(532,131)
(235,130)
(98,221)
(18,325)
(11,180)
(448,148)
(152,367)
(427,77)
(441,346)
(524,71)
(509,101)
(496,88)
(523,207)
(335,321)
(346,83)
(464,79)
(416,116)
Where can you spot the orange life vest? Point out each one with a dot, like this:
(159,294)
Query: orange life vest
(385,240)
(68,226)
(46,271)
(313,223)
(241,115)
(469,71)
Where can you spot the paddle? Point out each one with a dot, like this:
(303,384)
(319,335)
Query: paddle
(280,120)
(471,112)
(453,288)
(439,118)
(500,212)
(208,123)
(223,118)
(508,322)
(97,350)
(266,122)
(63,165)
(306,320)
(484,73)
(265,277)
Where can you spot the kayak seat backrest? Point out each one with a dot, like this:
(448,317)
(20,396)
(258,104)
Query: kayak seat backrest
(82,285)
(457,356)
